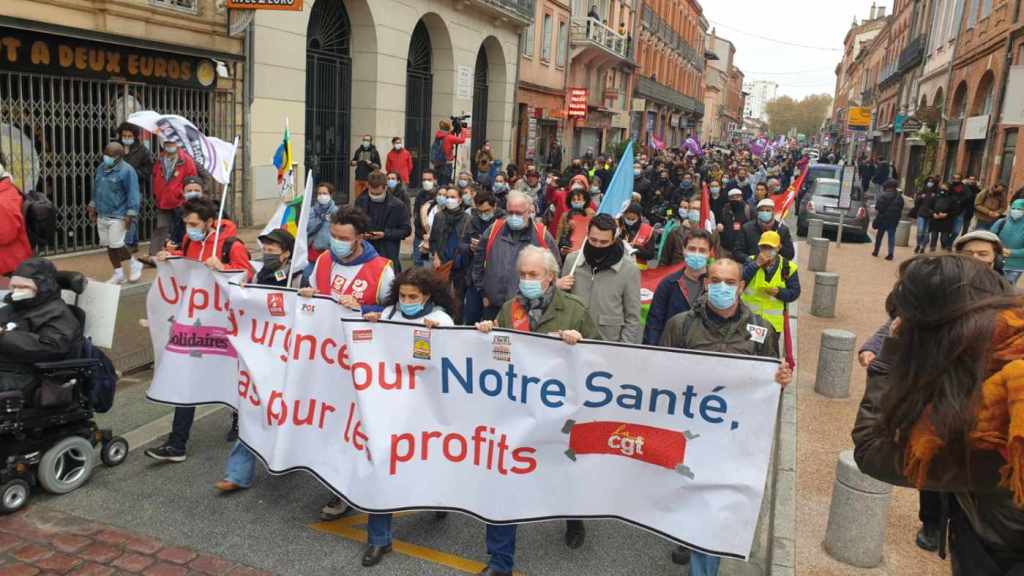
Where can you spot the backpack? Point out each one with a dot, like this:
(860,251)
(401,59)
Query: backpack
(104,378)
(40,218)
(499,224)
(437,155)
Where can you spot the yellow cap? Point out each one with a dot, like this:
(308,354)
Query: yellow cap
(770,238)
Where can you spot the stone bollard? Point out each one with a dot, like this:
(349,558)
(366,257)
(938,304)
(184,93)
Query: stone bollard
(835,361)
(815,229)
(858,515)
(826,289)
(903,233)
(818,261)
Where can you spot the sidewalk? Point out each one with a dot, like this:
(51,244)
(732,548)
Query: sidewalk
(41,541)
(824,425)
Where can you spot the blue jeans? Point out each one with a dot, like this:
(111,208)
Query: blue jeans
(1012,276)
(501,546)
(473,306)
(378,529)
(889,229)
(702,564)
(241,466)
(958,226)
(922,232)
(181,426)
(982,225)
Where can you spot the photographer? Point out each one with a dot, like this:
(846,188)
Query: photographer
(442,151)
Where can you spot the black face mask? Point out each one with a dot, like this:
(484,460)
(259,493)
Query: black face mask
(603,258)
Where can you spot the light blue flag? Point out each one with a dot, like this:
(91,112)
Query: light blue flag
(620,190)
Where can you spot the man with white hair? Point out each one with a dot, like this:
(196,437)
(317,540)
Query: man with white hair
(495,272)
(537,306)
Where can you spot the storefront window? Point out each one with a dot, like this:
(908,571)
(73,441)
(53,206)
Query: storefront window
(190,6)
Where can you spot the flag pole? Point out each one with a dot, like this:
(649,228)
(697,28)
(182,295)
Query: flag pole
(224,194)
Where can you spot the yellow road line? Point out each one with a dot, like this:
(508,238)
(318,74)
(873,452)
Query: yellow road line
(347,528)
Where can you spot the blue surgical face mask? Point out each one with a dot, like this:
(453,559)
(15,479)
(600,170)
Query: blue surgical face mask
(323,199)
(410,309)
(467,199)
(191,195)
(109,161)
(578,205)
(453,203)
(694,216)
(1016,213)
(531,289)
(441,199)
(341,248)
(463,183)
(721,296)
(695,261)
(128,141)
(765,217)
(516,221)
(486,216)
(195,234)
(715,192)
(392,184)
(500,187)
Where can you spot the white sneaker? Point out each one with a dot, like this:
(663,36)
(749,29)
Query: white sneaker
(117,278)
(136,271)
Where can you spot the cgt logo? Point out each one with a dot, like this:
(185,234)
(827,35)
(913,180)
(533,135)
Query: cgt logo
(275,303)
(657,446)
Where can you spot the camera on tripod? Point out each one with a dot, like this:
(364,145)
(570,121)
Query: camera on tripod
(458,122)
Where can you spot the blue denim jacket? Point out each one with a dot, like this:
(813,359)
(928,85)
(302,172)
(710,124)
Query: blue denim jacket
(115,192)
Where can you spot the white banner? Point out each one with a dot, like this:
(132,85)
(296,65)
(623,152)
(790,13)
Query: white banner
(394,416)
(213,154)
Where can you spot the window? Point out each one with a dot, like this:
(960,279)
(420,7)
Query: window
(563,43)
(986,8)
(972,12)
(545,50)
(190,6)
(1009,152)
(528,40)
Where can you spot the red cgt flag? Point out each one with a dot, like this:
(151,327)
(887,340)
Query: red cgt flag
(783,202)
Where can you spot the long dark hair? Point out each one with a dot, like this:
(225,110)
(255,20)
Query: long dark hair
(947,307)
(427,282)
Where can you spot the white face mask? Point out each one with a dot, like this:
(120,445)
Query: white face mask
(428,185)
(398,145)
(22,294)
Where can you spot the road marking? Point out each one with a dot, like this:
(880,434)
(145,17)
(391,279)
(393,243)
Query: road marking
(348,527)
(146,433)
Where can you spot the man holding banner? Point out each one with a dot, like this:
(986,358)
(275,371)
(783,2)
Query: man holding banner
(539,306)
(720,322)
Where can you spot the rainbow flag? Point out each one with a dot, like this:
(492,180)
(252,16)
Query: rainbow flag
(286,216)
(283,156)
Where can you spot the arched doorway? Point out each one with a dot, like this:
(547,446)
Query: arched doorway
(329,94)
(479,118)
(957,112)
(419,85)
(976,147)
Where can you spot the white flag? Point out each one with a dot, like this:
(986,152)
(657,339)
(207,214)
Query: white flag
(213,154)
(300,254)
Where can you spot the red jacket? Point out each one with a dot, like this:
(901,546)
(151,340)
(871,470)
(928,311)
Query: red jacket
(400,162)
(14,246)
(168,193)
(238,257)
(450,140)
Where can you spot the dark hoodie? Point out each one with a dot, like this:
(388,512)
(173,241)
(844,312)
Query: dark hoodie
(40,329)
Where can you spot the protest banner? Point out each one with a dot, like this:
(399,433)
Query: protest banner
(394,416)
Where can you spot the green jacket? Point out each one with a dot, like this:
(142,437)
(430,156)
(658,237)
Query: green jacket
(566,312)
(696,330)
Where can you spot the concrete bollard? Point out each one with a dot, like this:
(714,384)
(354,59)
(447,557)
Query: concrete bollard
(857,516)
(835,361)
(818,261)
(903,233)
(815,229)
(826,290)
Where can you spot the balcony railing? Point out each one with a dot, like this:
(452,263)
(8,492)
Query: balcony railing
(520,9)
(594,32)
(867,97)
(911,55)
(647,88)
(888,75)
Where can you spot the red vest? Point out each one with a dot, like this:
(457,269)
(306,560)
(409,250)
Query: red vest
(643,235)
(363,287)
(499,225)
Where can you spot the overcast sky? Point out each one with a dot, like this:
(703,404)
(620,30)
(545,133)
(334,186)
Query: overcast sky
(799,71)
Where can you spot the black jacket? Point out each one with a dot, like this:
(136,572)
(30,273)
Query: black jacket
(367,160)
(745,243)
(888,208)
(138,157)
(390,217)
(734,216)
(944,203)
(40,329)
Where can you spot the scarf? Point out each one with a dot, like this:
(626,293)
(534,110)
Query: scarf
(999,423)
(169,162)
(603,258)
(535,308)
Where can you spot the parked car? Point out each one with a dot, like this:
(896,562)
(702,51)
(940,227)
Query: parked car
(815,171)
(822,203)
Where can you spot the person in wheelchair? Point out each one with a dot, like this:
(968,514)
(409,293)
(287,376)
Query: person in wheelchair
(36,325)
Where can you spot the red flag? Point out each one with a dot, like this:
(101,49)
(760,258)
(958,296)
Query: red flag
(651,277)
(783,202)
(705,209)
(580,224)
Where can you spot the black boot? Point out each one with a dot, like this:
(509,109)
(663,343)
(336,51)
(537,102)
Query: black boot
(928,538)
(575,533)
(232,434)
(681,555)
(374,554)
